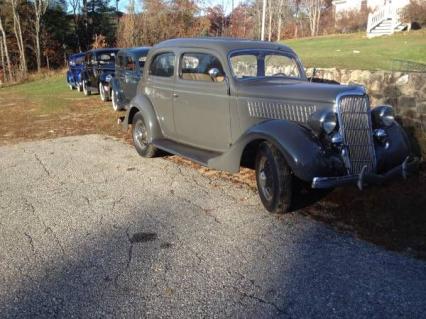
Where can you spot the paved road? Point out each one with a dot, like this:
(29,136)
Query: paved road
(89,229)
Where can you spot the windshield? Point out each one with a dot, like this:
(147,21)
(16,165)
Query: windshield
(106,57)
(263,63)
(76,60)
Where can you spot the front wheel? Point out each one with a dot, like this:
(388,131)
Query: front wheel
(86,90)
(79,87)
(140,137)
(274,179)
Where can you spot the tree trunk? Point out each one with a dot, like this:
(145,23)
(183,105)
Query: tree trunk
(6,51)
(3,63)
(19,39)
(270,21)
(38,48)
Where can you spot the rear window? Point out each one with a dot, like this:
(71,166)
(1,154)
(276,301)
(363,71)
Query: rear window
(163,64)
(106,57)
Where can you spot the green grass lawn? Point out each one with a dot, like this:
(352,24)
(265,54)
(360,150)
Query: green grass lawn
(403,51)
(51,94)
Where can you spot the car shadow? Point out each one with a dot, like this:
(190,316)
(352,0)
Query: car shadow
(254,265)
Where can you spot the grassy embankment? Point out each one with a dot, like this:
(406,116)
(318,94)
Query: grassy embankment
(402,51)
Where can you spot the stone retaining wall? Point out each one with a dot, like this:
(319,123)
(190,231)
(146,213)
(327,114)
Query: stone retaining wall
(406,92)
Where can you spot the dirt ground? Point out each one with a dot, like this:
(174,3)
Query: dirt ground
(393,216)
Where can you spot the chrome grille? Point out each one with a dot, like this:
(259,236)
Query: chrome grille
(281,111)
(355,126)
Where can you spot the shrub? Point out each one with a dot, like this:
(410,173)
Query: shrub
(415,12)
(352,21)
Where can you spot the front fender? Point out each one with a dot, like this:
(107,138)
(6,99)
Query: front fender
(70,77)
(106,76)
(140,103)
(395,152)
(300,148)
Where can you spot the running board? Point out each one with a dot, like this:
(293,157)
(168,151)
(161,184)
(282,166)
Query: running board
(197,155)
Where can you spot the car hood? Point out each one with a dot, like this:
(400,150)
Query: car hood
(294,90)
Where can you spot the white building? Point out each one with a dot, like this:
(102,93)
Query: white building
(384,18)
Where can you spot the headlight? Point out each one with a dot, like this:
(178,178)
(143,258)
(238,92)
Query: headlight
(383,115)
(323,121)
(108,78)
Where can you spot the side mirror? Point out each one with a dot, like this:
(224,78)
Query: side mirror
(214,73)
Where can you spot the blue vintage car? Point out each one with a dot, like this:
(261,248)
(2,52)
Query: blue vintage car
(129,66)
(75,67)
(99,68)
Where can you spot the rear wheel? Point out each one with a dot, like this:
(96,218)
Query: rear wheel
(86,90)
(114,98)
(140,137)
(102,92)
(274,179)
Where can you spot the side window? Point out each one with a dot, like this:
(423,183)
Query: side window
(119,60)
(142,60)
(163,64)
(130,64)
(199,66)
(244,65)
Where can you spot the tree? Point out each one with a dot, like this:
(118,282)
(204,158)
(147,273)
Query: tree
(17,28)
(313,9)
(5,53)
(40,7)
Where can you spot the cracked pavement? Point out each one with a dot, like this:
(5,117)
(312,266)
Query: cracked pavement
(89,229)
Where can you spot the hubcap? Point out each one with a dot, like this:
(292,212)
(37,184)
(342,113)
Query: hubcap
(140,134)
(114,100)
(101,91)
(265,179)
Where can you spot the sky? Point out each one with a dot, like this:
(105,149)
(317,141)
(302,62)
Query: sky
(227,4)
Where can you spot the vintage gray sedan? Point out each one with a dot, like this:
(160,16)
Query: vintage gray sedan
(228,103)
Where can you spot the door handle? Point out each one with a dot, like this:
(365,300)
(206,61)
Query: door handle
(175,95)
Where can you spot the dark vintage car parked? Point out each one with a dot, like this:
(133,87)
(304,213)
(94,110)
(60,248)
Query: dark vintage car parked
(129,66)
(99,67)
(75,67)
(229,103)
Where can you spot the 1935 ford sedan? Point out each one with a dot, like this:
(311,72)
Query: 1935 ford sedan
(228,103)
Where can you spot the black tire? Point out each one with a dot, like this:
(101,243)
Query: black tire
(79,87)
(274,179)
(140,137)
(114,98)
(86,90)
(102,92)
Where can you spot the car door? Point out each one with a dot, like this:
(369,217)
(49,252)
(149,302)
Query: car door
(201,102)
(88,66)
(94,71)
(158,88)
(131,77)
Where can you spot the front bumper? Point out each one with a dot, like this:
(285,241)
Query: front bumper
(409,166)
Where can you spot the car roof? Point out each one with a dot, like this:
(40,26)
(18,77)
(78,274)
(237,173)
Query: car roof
(136,50)
(222,43)
(103,50)
(76,55)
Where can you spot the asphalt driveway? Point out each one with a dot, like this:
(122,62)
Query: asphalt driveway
(90,229)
